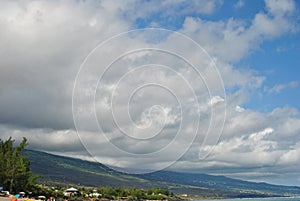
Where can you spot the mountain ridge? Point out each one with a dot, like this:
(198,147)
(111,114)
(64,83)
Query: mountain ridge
(63,170)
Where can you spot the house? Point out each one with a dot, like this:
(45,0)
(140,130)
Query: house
(72,192)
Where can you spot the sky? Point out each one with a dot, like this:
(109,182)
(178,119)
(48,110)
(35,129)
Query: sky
(192,86)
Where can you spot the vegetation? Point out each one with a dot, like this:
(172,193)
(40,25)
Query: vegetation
(65,171)
(15,173)
(135,193)
(106,193)
(16,176)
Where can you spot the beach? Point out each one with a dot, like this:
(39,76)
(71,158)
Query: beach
(8,199)
(4,199)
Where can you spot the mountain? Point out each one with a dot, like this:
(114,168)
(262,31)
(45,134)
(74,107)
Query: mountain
(66,170)
(60,170)
(220,183)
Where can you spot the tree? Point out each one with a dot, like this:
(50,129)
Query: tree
(15,173)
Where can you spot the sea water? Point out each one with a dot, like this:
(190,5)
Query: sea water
(260,199)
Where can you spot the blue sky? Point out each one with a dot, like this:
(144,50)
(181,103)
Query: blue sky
(279,62)
(64,63)
(276,59)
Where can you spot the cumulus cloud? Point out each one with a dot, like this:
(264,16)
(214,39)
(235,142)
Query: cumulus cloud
(143,106)
(41,55)
(279,8)
(254,146)
(239,36)
(239,109)
(215,100)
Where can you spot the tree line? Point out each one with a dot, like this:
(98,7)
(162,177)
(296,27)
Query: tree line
(108,193)
(135,193)
(15,173)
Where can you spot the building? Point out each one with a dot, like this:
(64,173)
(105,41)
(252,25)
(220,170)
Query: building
(72,192)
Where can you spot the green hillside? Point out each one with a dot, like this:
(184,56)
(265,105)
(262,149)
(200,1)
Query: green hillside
(67,170)
(221,183)
(59,170)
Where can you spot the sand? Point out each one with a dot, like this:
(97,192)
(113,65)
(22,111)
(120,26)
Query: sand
(4,199)
(8,199)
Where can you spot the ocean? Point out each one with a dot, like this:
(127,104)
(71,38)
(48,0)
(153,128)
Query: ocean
(260,199)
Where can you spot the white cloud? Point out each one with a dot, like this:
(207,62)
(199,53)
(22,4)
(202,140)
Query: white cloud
(291,156)
(239,4)
(217,37)
(276,89)
(215,100)
(280,7)
(252,143)
(45,42)
(252,149)
(239,109)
